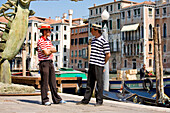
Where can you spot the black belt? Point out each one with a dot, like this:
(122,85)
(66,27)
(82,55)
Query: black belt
(46,61)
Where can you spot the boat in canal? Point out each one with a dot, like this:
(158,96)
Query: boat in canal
(69,72)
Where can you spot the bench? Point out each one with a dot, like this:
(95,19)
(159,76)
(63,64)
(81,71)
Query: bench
(69,82)
(27,80)
(62,82)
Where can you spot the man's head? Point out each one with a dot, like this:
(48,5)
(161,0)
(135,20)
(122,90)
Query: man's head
(144,66)
(95,29)
(45,29)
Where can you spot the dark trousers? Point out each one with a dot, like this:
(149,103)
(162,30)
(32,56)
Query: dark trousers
(48,78)
(95,73)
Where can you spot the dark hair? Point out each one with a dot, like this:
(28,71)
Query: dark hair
(99,31)
(41,31)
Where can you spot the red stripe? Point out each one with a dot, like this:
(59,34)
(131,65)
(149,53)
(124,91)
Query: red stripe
(44,44)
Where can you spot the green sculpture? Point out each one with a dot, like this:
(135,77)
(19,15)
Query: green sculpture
(13,35)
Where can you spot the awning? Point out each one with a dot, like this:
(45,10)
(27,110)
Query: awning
(131,27)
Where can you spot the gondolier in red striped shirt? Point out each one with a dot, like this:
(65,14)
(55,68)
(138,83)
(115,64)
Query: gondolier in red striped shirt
(45,56)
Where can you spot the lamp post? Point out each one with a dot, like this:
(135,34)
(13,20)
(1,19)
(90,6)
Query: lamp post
(105,16)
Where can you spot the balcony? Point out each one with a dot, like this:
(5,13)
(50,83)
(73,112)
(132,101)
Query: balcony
(164,15)
(157,16)
(150,15)
(84,56)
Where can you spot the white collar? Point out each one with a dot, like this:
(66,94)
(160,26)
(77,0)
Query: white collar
(99,37)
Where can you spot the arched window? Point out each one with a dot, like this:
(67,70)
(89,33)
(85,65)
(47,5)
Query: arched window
(80,64)
(134,49)
(35,35)
(137,49)
(114,63)
(139,32)
(141,45)
(142,31)
(150,31)
(117,45)
(131,49)
(124,49)
(51,37)
(56,36)
(164,48)
(18,63)
(128,49)
(113,45)
(150,48)
(164,30)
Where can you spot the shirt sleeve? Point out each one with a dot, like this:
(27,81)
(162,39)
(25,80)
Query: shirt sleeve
(106,47)
(42,45)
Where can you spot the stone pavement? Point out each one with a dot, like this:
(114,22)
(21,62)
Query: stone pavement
(31,104)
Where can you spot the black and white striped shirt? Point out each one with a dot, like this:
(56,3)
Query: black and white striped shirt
(99,48)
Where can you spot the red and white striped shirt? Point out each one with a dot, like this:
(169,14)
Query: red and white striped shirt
(43,44)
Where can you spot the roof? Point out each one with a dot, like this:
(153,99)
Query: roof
(124,1)
(77,19)
(2,19)
(42,19)
(51,21)
(81,25)
(145,2)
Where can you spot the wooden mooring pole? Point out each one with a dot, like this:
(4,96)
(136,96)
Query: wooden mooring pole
(161,66)
(155,36)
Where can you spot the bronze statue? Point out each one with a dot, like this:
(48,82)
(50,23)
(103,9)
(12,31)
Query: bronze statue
(13,34)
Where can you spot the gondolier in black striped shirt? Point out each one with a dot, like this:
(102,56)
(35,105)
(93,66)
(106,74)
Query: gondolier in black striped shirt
(100,53)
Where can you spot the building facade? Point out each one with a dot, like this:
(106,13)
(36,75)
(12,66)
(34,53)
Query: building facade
(162,20)
(78,47)
(114,28)
(137,22)
(60,37)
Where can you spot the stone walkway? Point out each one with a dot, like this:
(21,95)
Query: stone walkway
(31,104)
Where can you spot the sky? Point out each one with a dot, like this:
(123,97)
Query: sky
(58,7)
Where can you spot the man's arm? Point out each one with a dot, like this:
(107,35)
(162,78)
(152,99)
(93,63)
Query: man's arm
(147,71)
(48,52)
(107,57)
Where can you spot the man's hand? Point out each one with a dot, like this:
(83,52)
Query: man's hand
(48,52)
(52,49)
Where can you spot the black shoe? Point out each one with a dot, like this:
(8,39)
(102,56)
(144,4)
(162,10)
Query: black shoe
(47,104)
(98,104)
(83,103)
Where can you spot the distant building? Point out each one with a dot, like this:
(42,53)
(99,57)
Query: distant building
(114,22)
(137,22)
(162,20)
(131,32)
(78,47)
(60,38)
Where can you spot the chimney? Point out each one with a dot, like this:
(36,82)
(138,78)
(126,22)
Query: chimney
(49,17)
(57,18)
(114,0)
(81,22)
(70,13)
(94,5)
(64,15)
